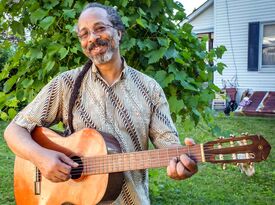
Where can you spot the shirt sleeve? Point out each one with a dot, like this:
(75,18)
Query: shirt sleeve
(162,129)
(44,110)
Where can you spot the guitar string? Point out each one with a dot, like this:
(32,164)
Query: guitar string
(104,168)
(98,165)
(147,153)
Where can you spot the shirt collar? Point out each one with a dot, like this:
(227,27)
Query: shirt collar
(124,71)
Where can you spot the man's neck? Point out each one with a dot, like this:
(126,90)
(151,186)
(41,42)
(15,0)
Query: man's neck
(111,70)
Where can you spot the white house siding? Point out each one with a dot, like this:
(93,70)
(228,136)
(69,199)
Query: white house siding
(204,22)
(231,30)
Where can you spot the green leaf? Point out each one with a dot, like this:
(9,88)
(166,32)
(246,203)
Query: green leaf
(12,112)
(4,116)
(38,15)
(171,53)
(163,41)
(149,44)
(47,22)
(155,55)
(10,83)
(20,94)
(17,28)
(74,49)
(125,21)
(168,79)
(35,53)
(53,48)
(153,28)
(68,3)
(49,65)
(175,104)
(69,13)
(27,82)
(160,75)
(142,22)
(140,11)
(63,53)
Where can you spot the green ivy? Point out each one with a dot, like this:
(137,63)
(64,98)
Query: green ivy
(155,42)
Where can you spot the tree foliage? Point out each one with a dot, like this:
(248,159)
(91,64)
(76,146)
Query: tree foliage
(155,42)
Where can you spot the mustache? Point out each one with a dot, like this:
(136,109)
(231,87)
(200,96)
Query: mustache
(98,42)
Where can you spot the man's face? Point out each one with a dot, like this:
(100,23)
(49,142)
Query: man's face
(99,40)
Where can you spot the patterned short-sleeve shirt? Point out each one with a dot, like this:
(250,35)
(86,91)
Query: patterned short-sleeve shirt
(134,109)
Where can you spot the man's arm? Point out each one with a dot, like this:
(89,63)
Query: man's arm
(53,165)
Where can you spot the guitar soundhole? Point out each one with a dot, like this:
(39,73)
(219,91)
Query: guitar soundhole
(76,172)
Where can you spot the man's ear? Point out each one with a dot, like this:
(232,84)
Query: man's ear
(119,34)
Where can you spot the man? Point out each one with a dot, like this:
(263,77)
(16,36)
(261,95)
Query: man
(105,94)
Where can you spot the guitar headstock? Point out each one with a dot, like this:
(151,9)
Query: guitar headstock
(243,149)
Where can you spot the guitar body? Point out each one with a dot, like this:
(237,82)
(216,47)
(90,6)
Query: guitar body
(86,190)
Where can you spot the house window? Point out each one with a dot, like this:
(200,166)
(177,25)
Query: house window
(268,46)
(261,46)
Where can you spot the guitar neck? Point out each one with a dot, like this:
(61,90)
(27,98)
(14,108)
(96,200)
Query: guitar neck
(138,160)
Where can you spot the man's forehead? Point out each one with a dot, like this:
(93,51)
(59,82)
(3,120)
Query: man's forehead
(93,14)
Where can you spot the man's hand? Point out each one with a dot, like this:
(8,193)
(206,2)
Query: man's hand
(54,166)
(182,167)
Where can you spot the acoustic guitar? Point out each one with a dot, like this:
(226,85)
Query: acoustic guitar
(99,176)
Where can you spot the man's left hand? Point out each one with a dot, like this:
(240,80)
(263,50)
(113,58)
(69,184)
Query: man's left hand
(182,167)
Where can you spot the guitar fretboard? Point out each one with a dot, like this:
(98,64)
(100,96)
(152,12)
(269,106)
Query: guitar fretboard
(137,160)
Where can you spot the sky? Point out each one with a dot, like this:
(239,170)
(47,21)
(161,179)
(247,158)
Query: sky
(190,5)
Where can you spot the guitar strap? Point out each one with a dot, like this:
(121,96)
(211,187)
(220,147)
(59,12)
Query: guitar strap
(74,95)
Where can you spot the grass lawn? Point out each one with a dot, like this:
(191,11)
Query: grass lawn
(211,185)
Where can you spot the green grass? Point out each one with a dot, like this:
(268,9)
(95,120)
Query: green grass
(211,185)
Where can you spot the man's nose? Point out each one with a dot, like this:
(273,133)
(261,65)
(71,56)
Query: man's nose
(92,36)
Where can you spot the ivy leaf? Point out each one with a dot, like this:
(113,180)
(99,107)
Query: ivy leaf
(12,112)
(153,28)
(47,22)
(35,53)
(69,13)
(4,116)
(63,52)
(142,22)
(163,41)
(155,55)
(175,104)
(68,3)
(38,15)
(168,79)
(53,48)
(27,82)
(17,28)
(125,21)
(9,83)
(160,75)
(49,65)
(171,53)
(147,44)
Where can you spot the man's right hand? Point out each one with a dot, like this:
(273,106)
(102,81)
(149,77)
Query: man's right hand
(54,166)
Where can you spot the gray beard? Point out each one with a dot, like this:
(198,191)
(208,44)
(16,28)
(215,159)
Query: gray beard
(106,57)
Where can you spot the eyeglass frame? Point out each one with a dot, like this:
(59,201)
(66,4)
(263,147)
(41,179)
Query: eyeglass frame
(92,31)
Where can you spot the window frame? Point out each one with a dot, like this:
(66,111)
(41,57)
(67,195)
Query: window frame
(261,67)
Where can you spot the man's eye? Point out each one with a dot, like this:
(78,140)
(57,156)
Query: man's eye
(100,29)
(83,34)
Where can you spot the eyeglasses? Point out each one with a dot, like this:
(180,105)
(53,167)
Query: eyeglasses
(97,30)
